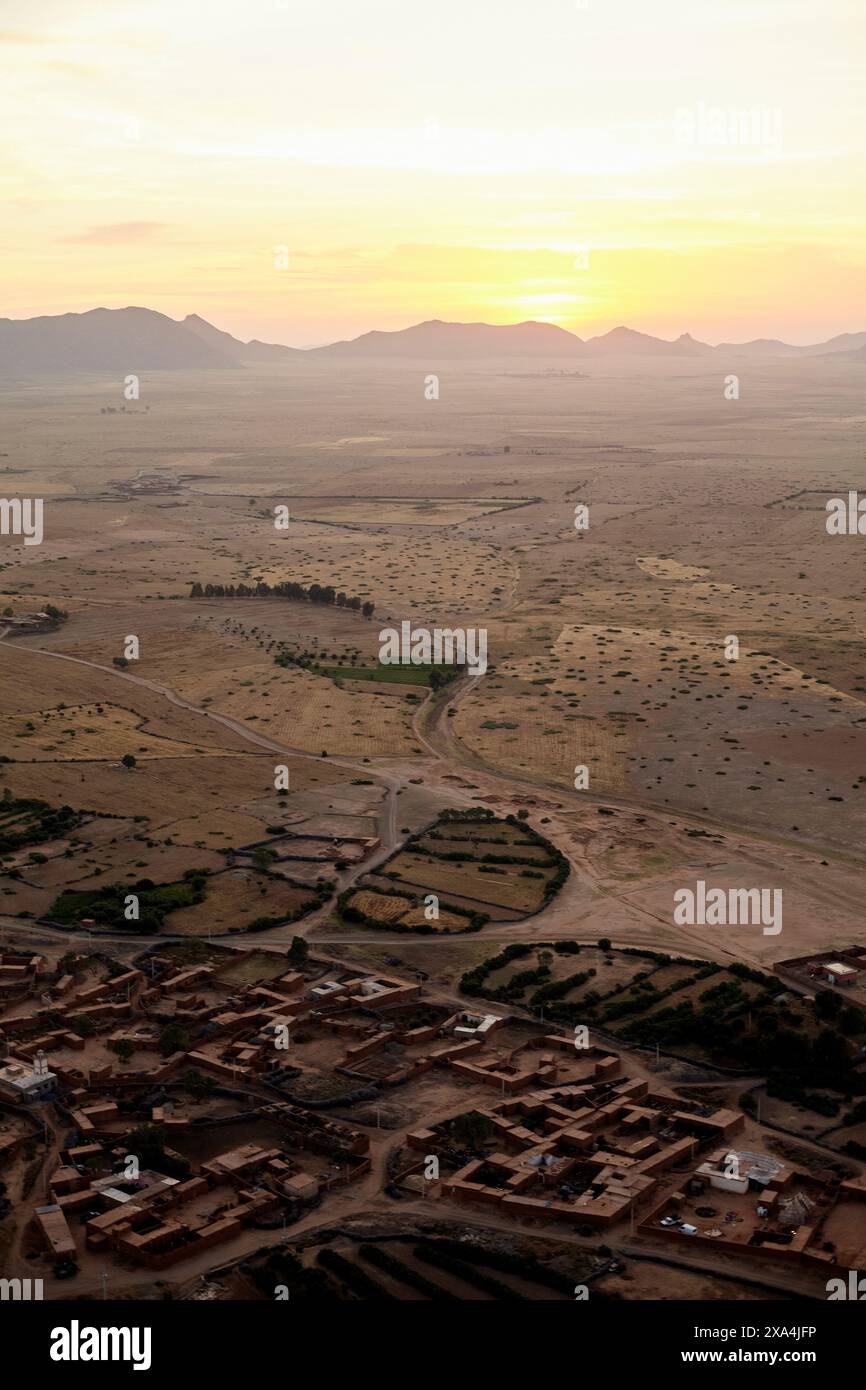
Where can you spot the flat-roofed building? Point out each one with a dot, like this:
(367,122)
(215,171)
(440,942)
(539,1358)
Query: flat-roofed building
(25,1083)
(55,1229)
(836,972)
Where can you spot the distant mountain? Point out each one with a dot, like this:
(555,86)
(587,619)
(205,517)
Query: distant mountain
(843,344)
(120,341)
(435,339)
(625,341)
(762,347)
(241,353)
(114,340)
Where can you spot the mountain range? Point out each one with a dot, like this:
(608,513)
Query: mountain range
(134,339)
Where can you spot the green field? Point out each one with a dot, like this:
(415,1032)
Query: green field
(393,675)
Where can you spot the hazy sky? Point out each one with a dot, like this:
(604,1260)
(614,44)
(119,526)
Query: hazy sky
(675,165)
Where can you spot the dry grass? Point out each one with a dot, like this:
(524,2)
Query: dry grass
(379,906)
(234,899)
(504,888)
(89,733)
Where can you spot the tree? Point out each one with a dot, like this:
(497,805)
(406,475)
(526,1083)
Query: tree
(128,761)
(299,950)
(827,1004)
(173,1038)
(367,609)
(124,1049)
(829,1051)
(197,1084)
(604,943)
(147,1142)
(472,1129)
(851,1020)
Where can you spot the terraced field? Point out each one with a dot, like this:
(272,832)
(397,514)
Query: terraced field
(481,865)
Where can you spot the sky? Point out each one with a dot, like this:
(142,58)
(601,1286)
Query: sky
(303,172)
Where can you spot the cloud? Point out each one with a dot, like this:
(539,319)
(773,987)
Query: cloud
(114,233)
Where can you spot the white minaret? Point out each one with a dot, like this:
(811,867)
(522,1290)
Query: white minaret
(40,1064)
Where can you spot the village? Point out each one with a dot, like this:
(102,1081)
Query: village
(204,1102)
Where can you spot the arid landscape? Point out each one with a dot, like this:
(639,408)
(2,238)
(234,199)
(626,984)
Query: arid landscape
(189,768)
(432,683)
(607,646)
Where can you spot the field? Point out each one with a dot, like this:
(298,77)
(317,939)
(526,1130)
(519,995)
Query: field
(733,1017)
(236,899)
(608,648)
(87,733)
(496,886)
(381,675)
(390,911)
(394,511)
(428,1269)
(484,866)
(377,905)
(611,970)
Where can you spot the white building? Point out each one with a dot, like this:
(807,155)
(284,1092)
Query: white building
(21,1082)
(475,1025)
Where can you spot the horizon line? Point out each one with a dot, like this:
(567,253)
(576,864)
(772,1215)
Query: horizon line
(455,323)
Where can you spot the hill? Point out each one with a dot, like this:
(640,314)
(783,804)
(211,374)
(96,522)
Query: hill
(243,354)
(116,340)
(436,339)
(120,341)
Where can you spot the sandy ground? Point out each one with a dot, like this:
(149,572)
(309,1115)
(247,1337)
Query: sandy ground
(608,647)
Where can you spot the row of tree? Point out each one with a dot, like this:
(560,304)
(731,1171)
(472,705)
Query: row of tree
(316,593)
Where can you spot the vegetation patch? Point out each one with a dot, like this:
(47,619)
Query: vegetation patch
(447,876)
(25,822)
(732,1016)
(108,907)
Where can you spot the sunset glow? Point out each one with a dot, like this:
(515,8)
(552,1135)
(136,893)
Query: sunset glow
(467,165)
